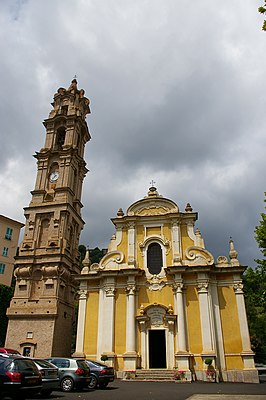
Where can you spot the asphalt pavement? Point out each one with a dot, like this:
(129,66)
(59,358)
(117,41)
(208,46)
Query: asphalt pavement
(130,390)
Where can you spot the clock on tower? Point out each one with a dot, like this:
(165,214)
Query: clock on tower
(42,310)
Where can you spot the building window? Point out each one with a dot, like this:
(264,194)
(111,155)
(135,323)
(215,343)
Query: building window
(2,268)
(29,335)
(9,232)
(26,351)
(154,258)
(5,251)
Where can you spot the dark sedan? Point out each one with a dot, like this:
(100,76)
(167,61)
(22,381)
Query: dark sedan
(101,374)
(19,377)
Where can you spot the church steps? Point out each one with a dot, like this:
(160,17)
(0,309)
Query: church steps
(155,375)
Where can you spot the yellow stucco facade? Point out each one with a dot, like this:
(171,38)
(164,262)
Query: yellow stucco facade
(159,300)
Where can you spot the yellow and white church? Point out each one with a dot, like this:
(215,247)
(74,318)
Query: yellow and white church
(159,300)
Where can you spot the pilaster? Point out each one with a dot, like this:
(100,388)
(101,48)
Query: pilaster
(81,321)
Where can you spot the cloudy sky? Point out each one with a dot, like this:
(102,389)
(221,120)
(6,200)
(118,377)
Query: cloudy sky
(177,94)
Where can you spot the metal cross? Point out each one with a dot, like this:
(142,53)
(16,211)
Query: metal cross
(152,182)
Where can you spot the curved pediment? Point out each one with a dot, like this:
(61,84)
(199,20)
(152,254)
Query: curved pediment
(152,206)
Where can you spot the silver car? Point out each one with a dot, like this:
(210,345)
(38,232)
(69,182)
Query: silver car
(73,373)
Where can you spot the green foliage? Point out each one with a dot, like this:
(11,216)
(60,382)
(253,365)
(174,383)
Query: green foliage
(262,10)
(260,236)
(104,357)
(6,293)
(82,253)
(208,361)
(96,255)
(255,296)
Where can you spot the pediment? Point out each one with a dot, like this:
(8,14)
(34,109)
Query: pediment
(155,206)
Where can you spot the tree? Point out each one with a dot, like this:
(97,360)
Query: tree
(255,296)
(6,293)
(262,10)
(260,236)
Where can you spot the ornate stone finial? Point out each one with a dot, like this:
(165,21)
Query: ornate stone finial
(188,208)
(233,253)
(152,190)
(170,309)
(142,309)
(120,213)
(198,233)
(87,262)
(73,87)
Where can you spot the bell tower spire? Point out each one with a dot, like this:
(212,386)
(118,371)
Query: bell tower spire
(42,309)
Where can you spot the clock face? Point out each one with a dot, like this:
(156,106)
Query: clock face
(54,176)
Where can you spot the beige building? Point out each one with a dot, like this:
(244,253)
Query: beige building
(42,310)
(9,236)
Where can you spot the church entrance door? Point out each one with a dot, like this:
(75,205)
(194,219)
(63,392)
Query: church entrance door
(157,348)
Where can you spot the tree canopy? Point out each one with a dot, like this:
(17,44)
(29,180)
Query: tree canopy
(262,10)
(255,296)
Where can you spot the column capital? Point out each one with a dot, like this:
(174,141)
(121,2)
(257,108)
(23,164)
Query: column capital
(130,290)
(238,287)
(203,287)
(83,293)
(110,291)
(177,287)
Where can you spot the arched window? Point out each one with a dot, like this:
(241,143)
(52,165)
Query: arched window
(154,258)
(60,138)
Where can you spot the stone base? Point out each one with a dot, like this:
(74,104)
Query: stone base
(246,376)
(130,361)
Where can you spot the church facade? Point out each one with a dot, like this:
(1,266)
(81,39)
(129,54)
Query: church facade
(159,300)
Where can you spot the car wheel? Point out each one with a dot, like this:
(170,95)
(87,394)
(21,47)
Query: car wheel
(93,382)
(46,393)
(103,385)
(67,384)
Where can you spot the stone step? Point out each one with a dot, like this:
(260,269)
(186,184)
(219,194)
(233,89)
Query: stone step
(155,374)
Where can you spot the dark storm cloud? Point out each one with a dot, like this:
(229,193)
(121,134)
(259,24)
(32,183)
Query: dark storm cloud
(176,96)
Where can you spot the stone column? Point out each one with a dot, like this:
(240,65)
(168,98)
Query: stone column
(181,355)
(100,334)
(81,323)
(109,320)
(181,325)
(247,353)
(207,341)
(218,330)
(171,321)
(130,356)
(142,320)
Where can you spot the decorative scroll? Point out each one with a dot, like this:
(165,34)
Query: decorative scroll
(198,256)
(111,260)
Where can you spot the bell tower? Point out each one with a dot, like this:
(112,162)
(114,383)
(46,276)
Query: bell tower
(42,310)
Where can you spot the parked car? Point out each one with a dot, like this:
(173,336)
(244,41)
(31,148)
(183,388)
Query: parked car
(19,377)
(73,373)
(50,376)
(4,350)
(101,374)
